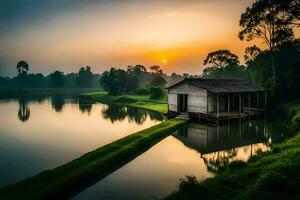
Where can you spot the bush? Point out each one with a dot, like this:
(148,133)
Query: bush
(156,92)
(142,91)
(124,99)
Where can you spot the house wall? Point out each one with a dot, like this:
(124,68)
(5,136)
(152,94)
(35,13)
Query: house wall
(197,98)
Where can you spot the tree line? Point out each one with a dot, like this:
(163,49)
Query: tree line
(276,63)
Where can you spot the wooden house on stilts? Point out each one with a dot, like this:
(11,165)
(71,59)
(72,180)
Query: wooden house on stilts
(215,99)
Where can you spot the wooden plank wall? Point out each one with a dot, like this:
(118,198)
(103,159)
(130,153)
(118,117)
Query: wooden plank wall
(197,98)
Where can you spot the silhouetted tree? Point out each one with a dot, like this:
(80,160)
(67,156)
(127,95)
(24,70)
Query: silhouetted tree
(223,64)
(22,67)
(221,58)
(57,79)
(251,53)
(85,76)
(263,21)
(114,81)
(156,69)
(289,11)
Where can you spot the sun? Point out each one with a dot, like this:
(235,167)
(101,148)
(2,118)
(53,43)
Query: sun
(165,61)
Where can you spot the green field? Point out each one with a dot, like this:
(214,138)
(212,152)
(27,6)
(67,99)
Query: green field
(159,105)
(63,181)
(271,175)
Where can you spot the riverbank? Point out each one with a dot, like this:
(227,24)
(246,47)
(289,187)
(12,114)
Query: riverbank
(41,92)
(271,175)
(140,101)
(63,181)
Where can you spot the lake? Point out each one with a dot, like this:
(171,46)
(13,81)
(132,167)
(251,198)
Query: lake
(42,133)
(198,149)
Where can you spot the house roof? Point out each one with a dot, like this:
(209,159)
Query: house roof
(220,85)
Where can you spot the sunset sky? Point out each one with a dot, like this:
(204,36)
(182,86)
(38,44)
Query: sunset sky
(67,34)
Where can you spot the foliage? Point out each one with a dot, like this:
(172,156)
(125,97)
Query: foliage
(263,21)
(156,93)
(224,65)
(22,67)
(221,58)
(62,181)
(158,81)
(156,69)
(84,78)
(289,11)
(231,71)
(57,79)
(272,175)
(142,91)
(287,61)
(114,81)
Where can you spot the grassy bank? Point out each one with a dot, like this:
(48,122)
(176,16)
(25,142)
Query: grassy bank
(62,182)
(271,175)
(16,93)
(159,105)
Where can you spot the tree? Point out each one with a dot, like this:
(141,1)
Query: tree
(57,79)
(289,11)
(85,76)
(221,58)
(132,83)
(224,64)
(138,70)
(114,81)
(264,21)
(22,67)
(156,69)
(251,53)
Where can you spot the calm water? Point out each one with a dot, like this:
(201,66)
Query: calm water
(197,149)
(41,133)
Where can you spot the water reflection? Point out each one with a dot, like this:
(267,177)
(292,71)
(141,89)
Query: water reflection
(118,113)
(57,102)
(48,139)
(85,105)
(220,144)
(24,111)
(198,149)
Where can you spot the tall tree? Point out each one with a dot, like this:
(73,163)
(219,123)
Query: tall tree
(114,81)
(221,58)
(263,20)
(22,67)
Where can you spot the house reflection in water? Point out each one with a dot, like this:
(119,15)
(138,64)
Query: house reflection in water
(219,144)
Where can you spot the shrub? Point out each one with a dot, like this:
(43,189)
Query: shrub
(142,91)
(156,92)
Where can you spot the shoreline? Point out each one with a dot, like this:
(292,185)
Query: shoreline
(71,178)
(139,101)
(269,175)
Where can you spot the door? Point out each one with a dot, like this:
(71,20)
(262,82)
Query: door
(182,100)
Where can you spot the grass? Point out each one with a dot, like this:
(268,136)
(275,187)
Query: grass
(270,175)
(62,182)
(159,105)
